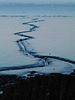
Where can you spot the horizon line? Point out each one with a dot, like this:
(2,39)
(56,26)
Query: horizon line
(36,3)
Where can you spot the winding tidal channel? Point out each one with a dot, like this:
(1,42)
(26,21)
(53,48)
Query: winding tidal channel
(23,45)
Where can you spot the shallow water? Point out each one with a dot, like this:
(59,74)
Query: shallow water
(51,33)
(55,36)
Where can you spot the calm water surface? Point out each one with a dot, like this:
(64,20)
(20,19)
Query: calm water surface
(57,38)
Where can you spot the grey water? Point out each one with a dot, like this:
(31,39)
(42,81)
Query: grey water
(38,9)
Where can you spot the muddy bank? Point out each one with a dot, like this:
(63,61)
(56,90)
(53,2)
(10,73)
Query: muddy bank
(40,87)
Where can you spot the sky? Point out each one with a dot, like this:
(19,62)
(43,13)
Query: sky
(37,1)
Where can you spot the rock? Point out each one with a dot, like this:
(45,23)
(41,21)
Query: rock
(49,87)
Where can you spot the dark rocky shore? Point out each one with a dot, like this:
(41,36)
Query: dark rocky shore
(40,87)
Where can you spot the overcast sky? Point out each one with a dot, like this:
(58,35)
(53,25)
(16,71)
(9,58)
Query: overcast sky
(37,1)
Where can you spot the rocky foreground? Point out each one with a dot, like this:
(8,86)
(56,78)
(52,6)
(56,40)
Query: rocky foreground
(40,87)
